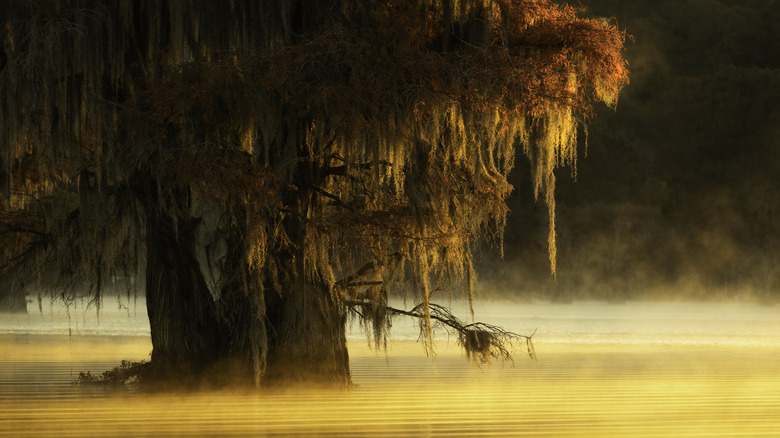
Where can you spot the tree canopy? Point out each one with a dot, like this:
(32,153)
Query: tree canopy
(357,146)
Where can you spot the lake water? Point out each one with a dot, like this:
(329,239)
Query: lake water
(634,369)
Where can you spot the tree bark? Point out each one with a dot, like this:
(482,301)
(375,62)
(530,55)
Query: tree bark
(307,338)
(182,312)
(247,336)
(306,320)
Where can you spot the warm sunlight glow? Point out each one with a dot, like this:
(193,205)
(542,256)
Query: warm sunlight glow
(642,369)
(609,390)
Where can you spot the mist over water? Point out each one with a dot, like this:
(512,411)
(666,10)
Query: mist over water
(591,322)
(634,369)
(677,197)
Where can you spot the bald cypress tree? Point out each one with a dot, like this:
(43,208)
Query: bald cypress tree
(264,169)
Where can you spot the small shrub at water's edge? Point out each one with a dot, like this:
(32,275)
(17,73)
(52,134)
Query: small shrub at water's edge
(126,373)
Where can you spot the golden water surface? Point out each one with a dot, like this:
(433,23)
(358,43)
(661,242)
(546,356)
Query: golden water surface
(571,390)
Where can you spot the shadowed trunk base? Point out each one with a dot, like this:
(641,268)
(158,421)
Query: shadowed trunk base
(307,342)
(296,336)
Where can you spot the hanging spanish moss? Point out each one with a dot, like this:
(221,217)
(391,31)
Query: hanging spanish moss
(274,164)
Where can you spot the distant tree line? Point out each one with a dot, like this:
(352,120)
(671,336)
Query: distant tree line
(676,195)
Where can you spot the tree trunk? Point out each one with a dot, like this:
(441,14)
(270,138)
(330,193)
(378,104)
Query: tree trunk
(247,336)
(307,339)
(306,321)
(182,312)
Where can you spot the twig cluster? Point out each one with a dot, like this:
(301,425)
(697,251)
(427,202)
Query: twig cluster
(483,343)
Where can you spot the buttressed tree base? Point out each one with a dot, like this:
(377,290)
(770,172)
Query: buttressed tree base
(265,169)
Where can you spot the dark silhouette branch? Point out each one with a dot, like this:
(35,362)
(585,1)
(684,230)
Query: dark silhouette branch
(343,169)
(26,252)
(482,342)
(350,280)
(336,200)
(21,230)
(344,282)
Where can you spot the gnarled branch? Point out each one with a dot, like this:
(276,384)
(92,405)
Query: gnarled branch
(482,342)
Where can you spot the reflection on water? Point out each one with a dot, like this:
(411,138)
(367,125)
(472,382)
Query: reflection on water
(627,387)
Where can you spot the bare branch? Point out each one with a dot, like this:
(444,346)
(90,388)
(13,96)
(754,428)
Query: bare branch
(482,342)
(365,283)
(344,282)
(21,230)
(343,169)
(349,280)
(336,199)
(26,252)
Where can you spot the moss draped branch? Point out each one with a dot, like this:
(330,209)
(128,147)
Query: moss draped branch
(483,343)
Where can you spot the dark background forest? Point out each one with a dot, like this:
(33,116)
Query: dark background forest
(675,194)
